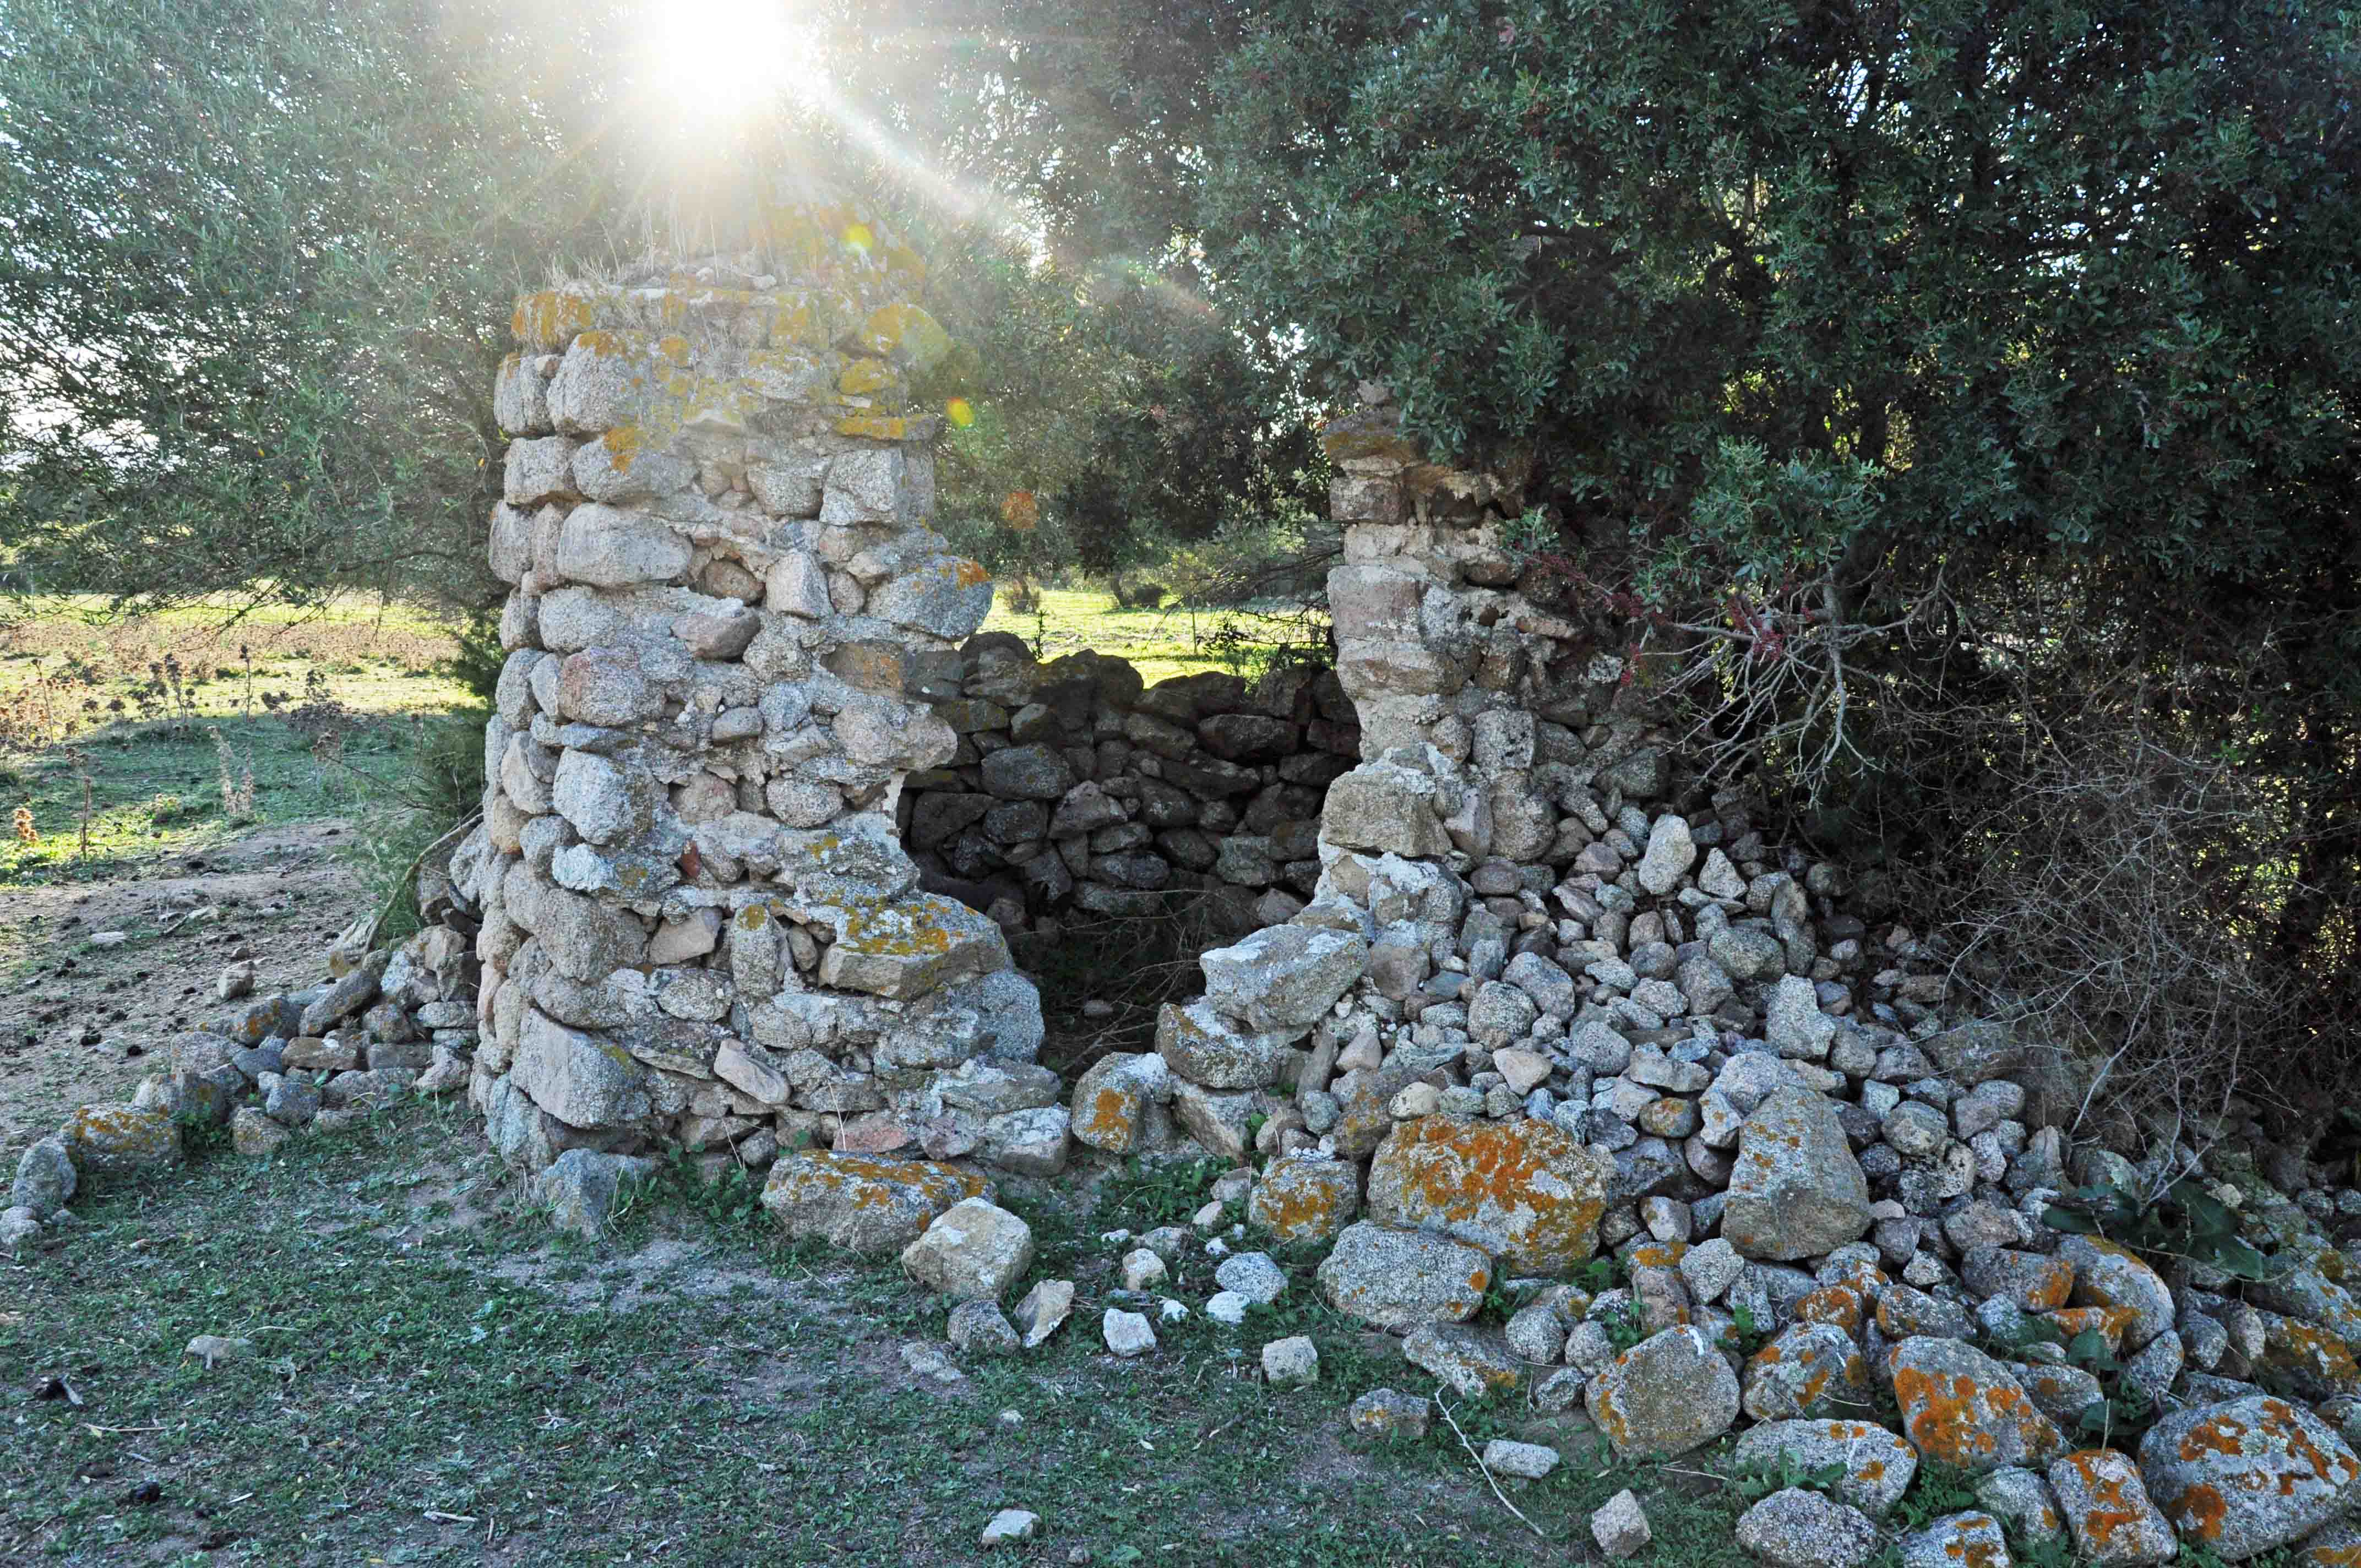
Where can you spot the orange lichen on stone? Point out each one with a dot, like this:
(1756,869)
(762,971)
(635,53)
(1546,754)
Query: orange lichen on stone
(2313,1354)
(1523,1189)
(2108,1321)
(1112,1110)
(1840,1305)
(2112,1511)
(1951,1417)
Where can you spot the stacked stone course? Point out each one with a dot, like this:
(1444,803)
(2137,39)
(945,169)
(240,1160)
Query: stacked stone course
(1075,789)
(697,923)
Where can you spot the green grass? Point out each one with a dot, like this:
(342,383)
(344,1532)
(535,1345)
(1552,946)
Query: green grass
(1161,642)
(689,1392)
(130,709)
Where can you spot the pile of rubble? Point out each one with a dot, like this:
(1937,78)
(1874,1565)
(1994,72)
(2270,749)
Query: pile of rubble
(401,1022)
(1677,1047)
(1073,787)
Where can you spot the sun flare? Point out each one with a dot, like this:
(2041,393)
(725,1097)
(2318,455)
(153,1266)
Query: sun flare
(718,61)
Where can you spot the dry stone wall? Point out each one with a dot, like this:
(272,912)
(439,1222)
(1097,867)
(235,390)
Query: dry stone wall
(697,922)
(1075,790)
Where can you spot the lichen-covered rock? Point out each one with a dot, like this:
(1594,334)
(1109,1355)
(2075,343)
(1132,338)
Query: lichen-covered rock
(1306,1196)
(974,1250)
(584,1080)
(2023,1502)
(1398,1279)
(2108,1275)
(1283,979)
(2034,1281)
(2109,1511)
(121,1140)
(1969,1540)
(580,1186)
(1964,1408)
(255,1136)
(1474,1362)
(1386,1413)
(2333,1545)
(1796,1528)
(45,1178)
(1197,1044)
(2248,1476)
(2311,1361)
(1523,1191)
(1877,1464)
(1809,1370)
(863,1205)
(1666,1395)
(1795,1190)
(1117,1099)
(908,947)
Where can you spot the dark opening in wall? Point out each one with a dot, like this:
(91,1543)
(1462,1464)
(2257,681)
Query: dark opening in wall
(1112,826)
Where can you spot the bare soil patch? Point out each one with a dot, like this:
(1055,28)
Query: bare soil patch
(81,1022)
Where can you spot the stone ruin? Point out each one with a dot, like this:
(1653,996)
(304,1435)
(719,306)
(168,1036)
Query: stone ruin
(697,924)
(1530,993)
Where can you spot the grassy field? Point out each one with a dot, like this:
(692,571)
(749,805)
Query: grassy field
(150,728)
(1161,642)
(136,724)
(438,1378)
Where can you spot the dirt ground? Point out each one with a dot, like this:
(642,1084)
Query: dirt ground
(82,1021)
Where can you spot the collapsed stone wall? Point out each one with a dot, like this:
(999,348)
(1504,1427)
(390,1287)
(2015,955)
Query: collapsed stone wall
(1076,787)
(1540,953)
(698,925)
(1554,999)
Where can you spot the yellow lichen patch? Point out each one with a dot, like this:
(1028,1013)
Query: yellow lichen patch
(864,377)
(906,334)
(547,319)
(874,427)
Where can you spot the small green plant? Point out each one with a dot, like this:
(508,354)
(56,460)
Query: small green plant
(1756,1482)
(1939,1489)
(1147,1195)
(1747,1335)
(1601,1275)
(1531,533)
(1623,1325)
(2185,1221)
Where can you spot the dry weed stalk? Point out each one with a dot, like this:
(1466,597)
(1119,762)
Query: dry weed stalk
(237,777)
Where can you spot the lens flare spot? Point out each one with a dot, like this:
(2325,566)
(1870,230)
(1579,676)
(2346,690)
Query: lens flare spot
(859,236)
(960,412)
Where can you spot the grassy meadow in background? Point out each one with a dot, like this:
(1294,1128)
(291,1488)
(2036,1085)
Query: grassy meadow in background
(170,733)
